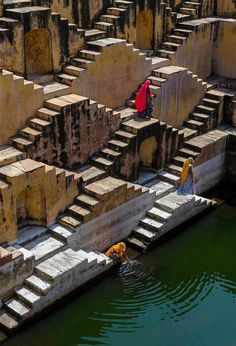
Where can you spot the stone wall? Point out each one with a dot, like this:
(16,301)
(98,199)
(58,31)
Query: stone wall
(210,165)
(224,55)
(226,8)
(14,113)
(231,158)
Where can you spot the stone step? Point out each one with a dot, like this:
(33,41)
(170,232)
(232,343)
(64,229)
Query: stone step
(215,94)
(116,11)
(110,18)
(200,117)
(151,224)
(83,63)
(194,124)
(135,243)
(109,154)
(87,201)
(179,160)
(101,260)
(30,133)
(44,247)
(9,154)
(171,46)
(144,234)
(47,114)
(211,103)
(124,136)
(73,70)
(55,89)
(27,296)
(127,114)
(106,188)
(69,221)
(7,322)
(94,34)
(174,169)
(183,17)
(105,26)
(79,213)
(59,232)
(169,177)
(29,233)
(190,145)
(191,4)
(188,11)
(117,145)
(38,124)
(21,143)
(164,53)
(159,215)
(205,110)
(177,39)
(61,265)
(66,79)
(182,32)
(123,4)
(18,309)
(188,153)
(103,163)
(157,80)
(89,54)
(91,175)
(189,133)
(37,284)
(92,261)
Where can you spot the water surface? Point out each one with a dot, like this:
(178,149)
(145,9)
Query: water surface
(181,293)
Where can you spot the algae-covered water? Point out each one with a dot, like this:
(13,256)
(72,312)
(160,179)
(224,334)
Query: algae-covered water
(183,293)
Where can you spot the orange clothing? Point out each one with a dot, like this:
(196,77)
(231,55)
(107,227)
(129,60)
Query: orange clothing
(118,250)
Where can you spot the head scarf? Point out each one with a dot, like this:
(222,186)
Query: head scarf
(141,97)
(185,170)
(122,246)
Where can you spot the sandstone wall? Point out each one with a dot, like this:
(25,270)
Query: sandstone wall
(210,165)
(19,100)
(226,8)
(231,159)
(224,57)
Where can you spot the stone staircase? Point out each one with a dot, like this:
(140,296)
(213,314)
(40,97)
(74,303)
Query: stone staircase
(97,198)
(38,137)
(167,213)
(191,8)
(52,278)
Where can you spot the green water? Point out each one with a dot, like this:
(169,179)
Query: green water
(181,293)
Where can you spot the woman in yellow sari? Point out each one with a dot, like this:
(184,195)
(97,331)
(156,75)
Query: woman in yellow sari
(187,179)
(117,252)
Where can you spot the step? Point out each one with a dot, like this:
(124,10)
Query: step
(116,11)
(177,39)
(17,309)
(56,267)
(183,17)
(117,145)
(64,78)
(205,110)
(188,11)
(92,261)
(7,321)
(30,133)
(87,201)
(157,80)
(47,114)
(164,53)
(69,221)
(9,154)
(179,160)
(182,32)
(189,133)
(169,177)
(110,18)
(159,215)
(94,34)
(174,169)
(44,247)
(110,154)
(135,243)
(200,117)
(194,124)
(188,153)
(210,102)
(39,124)
(145,234)
(21,143)
(59,232)
(37,284)
(73,70)
(91,175)
(152,224)
(27,296)
(123,3)
(55,89)
(78,212)
(89,54)
(103,163)
(104,26)
(100,259)
(83,63)
(171,45)
(124,135)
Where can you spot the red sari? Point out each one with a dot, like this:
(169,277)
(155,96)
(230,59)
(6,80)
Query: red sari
(141,97)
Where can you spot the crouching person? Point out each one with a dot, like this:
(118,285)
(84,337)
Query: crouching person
(117,252)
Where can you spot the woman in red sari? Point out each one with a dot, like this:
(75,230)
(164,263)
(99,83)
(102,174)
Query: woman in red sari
(143,101)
